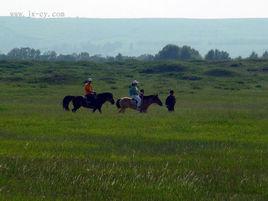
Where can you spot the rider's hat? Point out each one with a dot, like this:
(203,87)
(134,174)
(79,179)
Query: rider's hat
(135,82)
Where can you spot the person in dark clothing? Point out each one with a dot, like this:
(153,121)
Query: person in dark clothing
(171,101)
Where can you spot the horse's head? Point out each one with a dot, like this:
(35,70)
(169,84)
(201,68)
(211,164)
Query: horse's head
(103,97)
(157,100)
(110,98)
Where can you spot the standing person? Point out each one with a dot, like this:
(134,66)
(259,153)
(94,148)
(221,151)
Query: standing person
(89,91)
(171,101)
(134,92)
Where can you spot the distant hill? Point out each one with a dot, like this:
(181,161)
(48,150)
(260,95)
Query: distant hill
(133,36)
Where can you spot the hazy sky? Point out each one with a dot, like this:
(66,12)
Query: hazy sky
(142,8)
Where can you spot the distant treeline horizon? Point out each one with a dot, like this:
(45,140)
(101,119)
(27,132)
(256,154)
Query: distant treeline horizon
(134,37)
(168,52)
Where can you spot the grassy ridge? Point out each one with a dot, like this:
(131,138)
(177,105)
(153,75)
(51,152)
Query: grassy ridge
(214,147)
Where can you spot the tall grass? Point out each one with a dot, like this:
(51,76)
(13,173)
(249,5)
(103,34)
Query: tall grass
(214,147)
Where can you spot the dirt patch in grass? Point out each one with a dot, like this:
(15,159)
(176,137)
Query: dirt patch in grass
(164,68)
(220,73)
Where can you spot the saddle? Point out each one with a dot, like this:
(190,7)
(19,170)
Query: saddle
(90,99)
(134,101)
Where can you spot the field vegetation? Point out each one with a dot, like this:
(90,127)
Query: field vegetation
(213,147)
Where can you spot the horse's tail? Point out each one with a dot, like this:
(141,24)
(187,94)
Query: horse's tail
(66,101)
(118,103)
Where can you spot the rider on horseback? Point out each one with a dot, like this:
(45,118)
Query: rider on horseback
(89,92)
(134,93)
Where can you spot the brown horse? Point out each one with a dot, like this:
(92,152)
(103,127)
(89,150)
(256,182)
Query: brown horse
(127,102)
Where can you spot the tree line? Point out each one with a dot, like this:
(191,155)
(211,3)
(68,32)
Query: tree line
(169,52)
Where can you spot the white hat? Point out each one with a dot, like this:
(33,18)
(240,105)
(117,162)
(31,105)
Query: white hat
(135,82)
(89,79)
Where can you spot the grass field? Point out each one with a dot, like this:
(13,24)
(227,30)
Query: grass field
(214,147)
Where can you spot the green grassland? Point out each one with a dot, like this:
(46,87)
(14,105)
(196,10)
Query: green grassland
(214,147)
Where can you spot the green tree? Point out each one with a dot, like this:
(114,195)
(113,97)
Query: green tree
(24,53)
(174,52)
(217,55)
(83,56)
(188,53)
(49,56)
(169,52)
(119,57)
(265,55)
(253,55)
(2,56)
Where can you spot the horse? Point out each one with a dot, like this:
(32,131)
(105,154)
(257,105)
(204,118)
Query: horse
(80,101)
(127,102)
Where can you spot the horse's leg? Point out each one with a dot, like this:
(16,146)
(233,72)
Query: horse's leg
(145,109)
(99,110)
(96,107)
(122,110)
(74,110)
(76,105)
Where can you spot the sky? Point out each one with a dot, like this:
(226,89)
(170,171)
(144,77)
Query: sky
(140,8)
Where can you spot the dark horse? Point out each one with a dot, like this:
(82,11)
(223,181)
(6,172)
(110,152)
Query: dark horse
(80,101)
